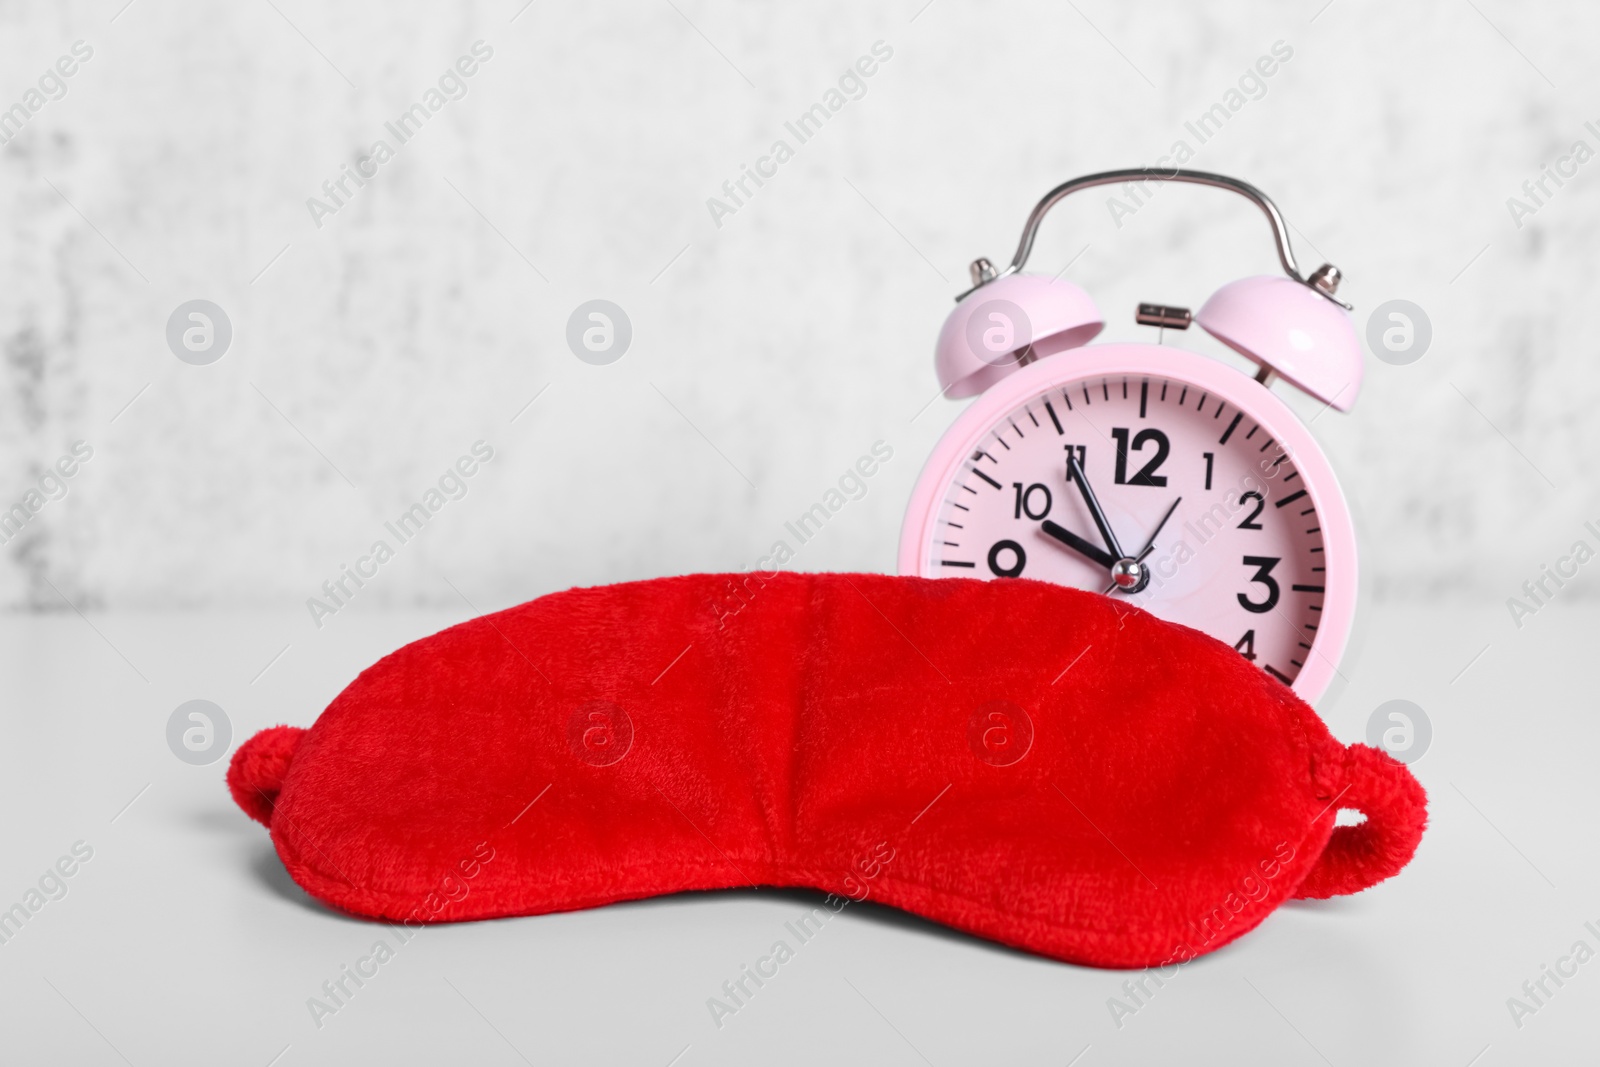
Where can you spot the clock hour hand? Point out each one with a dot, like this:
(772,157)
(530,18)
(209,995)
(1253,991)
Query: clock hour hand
(1079,545)
(1095,510)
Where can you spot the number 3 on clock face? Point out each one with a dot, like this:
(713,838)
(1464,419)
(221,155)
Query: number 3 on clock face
(1256,549)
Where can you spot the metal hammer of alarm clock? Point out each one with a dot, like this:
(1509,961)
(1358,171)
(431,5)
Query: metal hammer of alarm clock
(1146,471)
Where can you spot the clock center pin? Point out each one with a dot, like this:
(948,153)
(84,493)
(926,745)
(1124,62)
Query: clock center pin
(1130,575)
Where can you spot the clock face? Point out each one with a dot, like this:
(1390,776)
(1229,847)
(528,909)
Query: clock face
(1215,507)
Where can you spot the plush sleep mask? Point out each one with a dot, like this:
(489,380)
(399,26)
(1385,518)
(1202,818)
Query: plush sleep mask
(1044,767)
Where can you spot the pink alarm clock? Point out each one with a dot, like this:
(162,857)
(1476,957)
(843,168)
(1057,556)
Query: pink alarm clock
(1147,472)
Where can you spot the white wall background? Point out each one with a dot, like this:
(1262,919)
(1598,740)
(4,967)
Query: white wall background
(425,315)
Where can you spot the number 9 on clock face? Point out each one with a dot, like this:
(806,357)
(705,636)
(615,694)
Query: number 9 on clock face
(1221,510)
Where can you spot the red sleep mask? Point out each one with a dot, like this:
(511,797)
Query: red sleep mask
(1045,767)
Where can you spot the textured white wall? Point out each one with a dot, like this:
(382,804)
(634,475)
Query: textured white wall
(770,352)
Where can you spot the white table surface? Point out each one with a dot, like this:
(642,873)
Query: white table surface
(183,941)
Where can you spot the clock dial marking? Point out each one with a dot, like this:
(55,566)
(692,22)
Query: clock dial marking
(1291,498)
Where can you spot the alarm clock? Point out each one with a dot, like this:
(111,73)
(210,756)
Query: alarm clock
(1146,472)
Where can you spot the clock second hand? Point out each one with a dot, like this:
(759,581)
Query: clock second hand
(1150,544)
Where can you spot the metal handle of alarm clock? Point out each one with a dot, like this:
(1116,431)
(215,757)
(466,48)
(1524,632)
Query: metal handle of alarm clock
(1324,284)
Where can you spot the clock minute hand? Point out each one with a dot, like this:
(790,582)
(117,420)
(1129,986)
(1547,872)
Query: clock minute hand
(1095,510)
(1079,545)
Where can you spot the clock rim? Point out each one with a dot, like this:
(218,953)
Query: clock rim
(1244,392)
